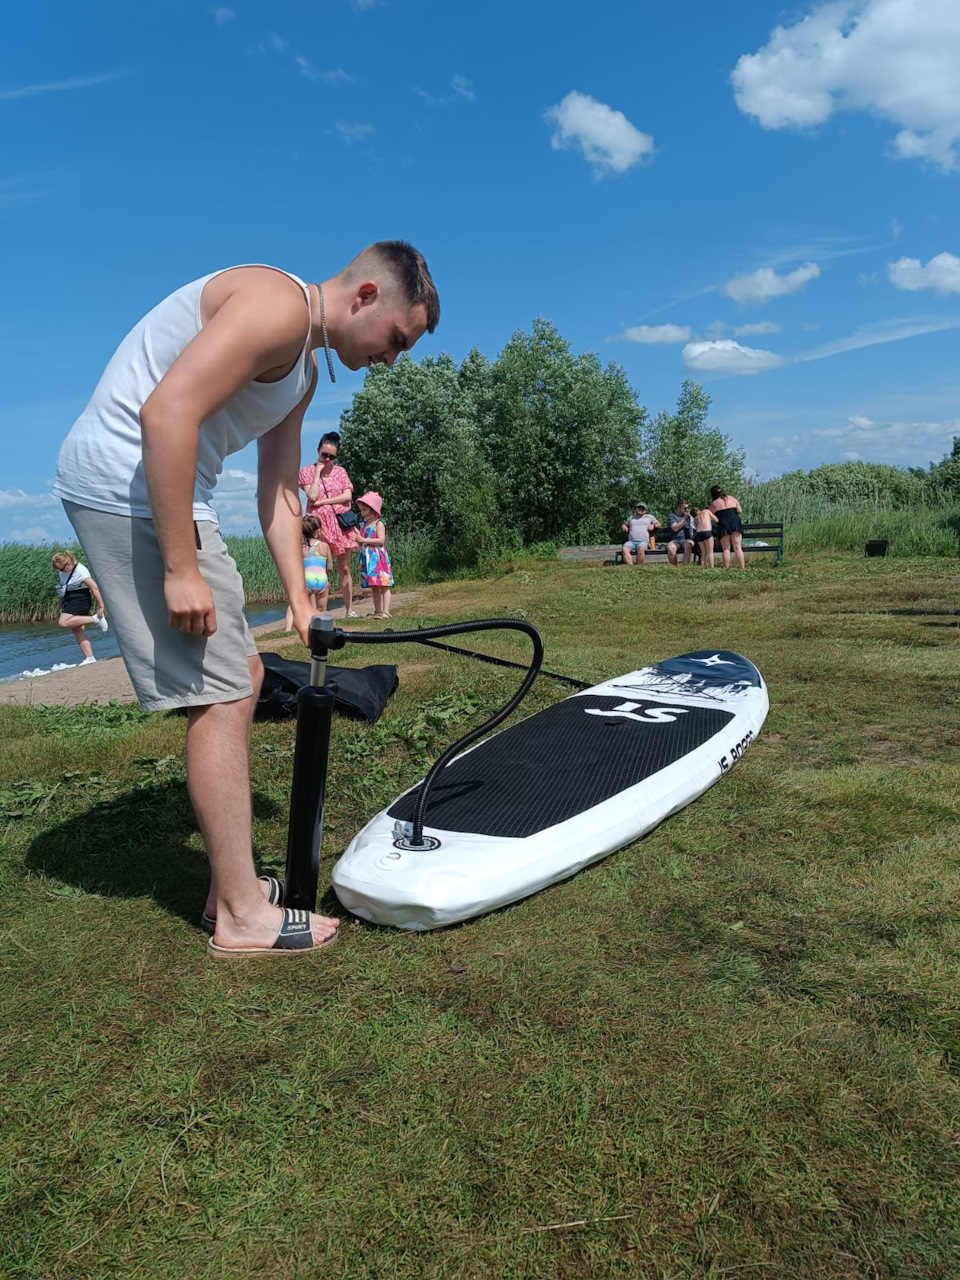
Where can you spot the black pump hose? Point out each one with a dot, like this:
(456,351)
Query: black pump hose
(425,635)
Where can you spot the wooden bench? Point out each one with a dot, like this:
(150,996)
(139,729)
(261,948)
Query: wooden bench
(767,533)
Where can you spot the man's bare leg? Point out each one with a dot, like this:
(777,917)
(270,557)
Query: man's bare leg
(218,778)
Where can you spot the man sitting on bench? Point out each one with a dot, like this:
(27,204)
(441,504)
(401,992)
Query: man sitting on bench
(638,529)
(680,529)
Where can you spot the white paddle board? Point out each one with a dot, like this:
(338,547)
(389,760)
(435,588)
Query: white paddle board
(535,803)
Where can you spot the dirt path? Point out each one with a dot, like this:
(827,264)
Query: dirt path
(107,681)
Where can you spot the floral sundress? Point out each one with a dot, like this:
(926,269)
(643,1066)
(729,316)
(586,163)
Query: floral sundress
(375,568)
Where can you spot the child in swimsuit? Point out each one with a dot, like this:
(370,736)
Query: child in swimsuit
(375,570)
(316,557)
(704,531)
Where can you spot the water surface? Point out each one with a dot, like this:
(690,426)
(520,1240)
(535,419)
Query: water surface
(35,648)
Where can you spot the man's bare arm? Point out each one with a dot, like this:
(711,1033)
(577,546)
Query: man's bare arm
(278,504)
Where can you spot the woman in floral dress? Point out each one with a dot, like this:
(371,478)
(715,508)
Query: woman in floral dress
(329,490)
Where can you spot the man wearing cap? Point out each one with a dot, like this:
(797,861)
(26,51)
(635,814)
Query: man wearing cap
(222,362)
(638,528)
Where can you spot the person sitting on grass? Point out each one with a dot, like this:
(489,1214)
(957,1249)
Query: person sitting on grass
(638,529)
(316,559)
(375,570)
(77,590)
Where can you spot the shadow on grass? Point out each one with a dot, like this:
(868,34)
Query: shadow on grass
(141,843)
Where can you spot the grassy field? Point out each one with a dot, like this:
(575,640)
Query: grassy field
(731,1050)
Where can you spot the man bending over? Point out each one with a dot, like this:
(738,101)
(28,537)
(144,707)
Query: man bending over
(223,361)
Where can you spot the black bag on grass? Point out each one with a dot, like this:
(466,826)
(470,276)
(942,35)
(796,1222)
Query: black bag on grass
(361,692)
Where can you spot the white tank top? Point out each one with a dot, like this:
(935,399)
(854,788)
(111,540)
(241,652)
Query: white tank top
(101,460)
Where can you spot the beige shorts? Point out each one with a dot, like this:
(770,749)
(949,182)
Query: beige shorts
(167,668)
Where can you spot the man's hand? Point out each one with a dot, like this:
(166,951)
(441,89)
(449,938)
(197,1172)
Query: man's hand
(303,614)
(190,603)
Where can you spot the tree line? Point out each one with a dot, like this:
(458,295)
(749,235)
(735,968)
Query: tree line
(541,445)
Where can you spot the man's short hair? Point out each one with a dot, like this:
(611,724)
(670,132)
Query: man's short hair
(407,266)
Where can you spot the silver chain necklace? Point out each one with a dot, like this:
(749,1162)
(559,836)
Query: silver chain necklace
(326,339)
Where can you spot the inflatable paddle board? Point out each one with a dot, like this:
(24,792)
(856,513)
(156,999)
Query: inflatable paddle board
(535,803)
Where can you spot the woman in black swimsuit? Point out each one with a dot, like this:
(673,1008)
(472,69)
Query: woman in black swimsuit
(728,512)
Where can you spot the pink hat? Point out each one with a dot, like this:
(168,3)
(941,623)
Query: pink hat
(373,500)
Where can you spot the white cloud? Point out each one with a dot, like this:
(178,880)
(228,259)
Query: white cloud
(727,356)
(607,139)
(752,330)
(809,326)
(899,443)
(353,131)
(885,331)
(462,92)
(765,284)
(223,14)
(58,86)
(894,58)
(21,513)
(34,534)
(336,76)
(941,273)
(16,499)
(657,334)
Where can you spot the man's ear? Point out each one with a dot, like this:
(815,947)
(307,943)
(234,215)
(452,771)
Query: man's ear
(367,293)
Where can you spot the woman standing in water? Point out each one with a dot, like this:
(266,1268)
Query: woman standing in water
(77,591)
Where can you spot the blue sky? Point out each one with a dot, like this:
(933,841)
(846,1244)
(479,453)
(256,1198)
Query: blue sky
(763,199)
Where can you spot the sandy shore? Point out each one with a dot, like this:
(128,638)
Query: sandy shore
(107,681)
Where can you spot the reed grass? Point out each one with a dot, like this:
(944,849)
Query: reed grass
(27,581)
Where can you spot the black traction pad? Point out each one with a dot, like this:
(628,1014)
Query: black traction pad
(561,762)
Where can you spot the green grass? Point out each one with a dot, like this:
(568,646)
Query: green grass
(730,1050)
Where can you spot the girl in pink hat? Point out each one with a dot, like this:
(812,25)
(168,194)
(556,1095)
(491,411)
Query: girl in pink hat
(375,571)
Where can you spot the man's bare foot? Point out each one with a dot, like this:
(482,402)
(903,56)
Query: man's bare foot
(272,931)
(272,891)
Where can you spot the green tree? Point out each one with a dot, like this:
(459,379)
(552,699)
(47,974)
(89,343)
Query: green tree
(873,483)
(682,457)
(559,433)
(944,476)
(411,435)
(395,436)
(538,445)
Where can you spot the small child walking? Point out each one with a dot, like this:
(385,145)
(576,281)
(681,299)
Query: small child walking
(375,571)
(316,557)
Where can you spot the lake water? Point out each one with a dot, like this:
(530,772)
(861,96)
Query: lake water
(34,648)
